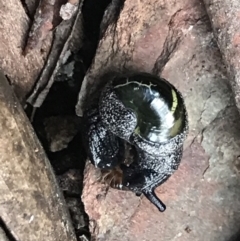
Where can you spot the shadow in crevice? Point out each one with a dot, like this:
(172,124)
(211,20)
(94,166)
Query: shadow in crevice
(60,104)
(6,230)
(235,237)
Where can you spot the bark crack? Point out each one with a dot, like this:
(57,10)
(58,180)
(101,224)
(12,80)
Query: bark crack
(6,230)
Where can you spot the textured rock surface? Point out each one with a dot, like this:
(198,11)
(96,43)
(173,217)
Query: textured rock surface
(202,197)
(225,16)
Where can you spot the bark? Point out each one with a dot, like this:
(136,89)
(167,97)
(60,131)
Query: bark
(173,39)
(22,71)
(225,17)
(32,206)
(68,38)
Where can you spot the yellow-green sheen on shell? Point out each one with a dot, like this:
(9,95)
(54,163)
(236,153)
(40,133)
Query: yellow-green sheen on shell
(158,106)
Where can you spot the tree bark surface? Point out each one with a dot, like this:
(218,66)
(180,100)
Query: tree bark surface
(22,71)
(31,204)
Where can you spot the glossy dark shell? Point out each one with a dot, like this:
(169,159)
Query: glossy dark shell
(157,105)
(146,113)
(145,110)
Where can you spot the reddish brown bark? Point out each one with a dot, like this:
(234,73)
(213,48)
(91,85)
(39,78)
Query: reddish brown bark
(22,71)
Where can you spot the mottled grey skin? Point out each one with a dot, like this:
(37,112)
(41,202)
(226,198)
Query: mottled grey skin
(148,172)
(112,120)
(105,149)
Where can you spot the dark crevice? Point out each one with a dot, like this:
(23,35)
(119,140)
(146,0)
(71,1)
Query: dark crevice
(61,101)
(92,12)
(235,237)
(111,15)
(26,9)
(170,46)
(6,230)
(97,16)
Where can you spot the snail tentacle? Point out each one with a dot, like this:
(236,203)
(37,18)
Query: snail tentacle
(152,197)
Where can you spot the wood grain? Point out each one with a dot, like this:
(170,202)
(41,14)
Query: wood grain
(31,203)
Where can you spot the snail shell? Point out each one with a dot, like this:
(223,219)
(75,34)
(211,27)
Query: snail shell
(148,113)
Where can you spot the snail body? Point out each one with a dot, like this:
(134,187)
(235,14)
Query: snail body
(146,114)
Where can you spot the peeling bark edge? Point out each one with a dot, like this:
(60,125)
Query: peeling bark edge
(55,59)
